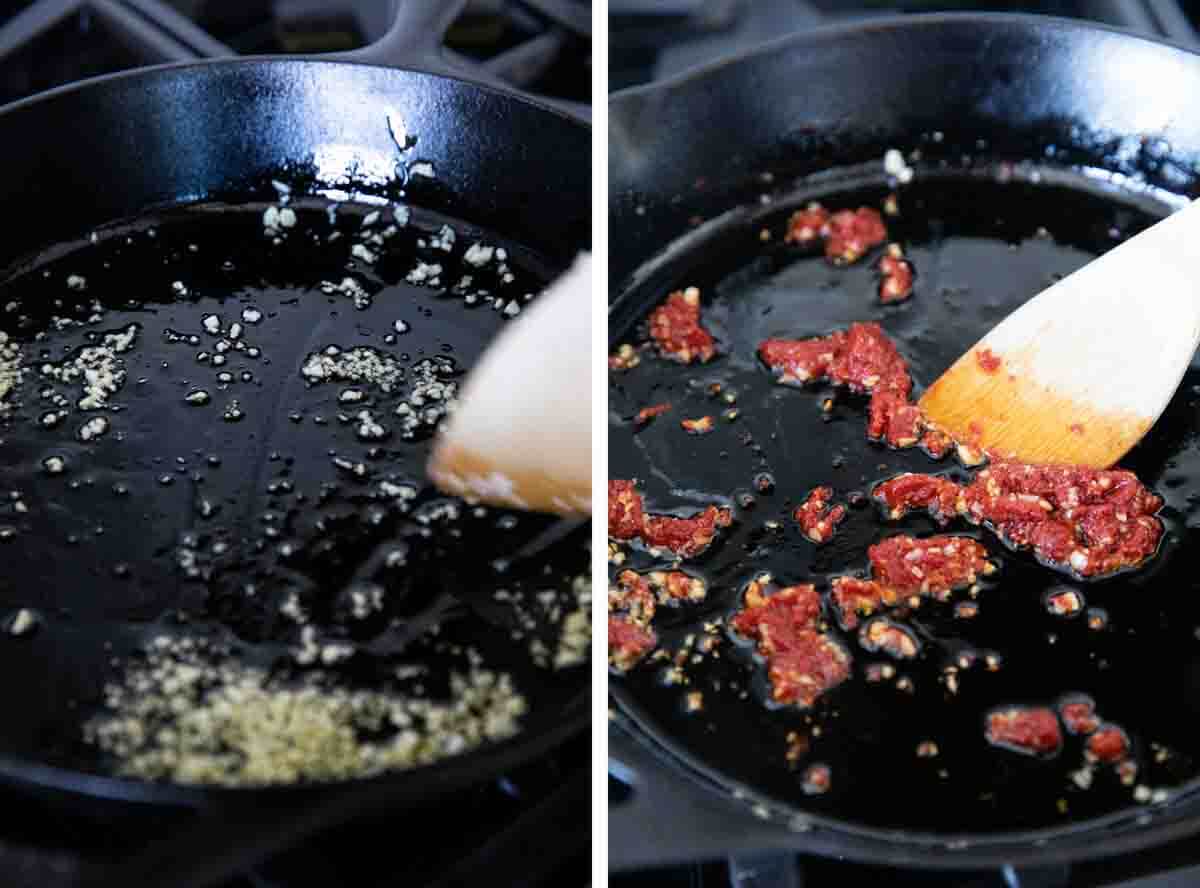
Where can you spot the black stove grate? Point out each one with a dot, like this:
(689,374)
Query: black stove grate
(543,46)
(653,39)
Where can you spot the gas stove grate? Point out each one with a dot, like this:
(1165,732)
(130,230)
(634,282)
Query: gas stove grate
(542,46)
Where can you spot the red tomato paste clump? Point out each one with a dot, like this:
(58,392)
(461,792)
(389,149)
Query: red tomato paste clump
(1108,744)
(802,662)
(816,518)
(807,225)
(675,328)
(1089,521)
(852,234)
(1031,730)
(895,276)
(684,537)
(625,515)
(932,566)
(628,642)
(864,360)
(854,598)
(848,234)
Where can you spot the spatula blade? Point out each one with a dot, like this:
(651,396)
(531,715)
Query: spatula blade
(1081,372)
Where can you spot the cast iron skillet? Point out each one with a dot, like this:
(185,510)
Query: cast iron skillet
(1022,122)
(133,146)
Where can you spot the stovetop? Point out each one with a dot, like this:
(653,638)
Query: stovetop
(654,39)
(541,45)
(499,827)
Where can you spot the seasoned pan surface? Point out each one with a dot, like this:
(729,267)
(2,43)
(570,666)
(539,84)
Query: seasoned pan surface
(981,244)
(221,480)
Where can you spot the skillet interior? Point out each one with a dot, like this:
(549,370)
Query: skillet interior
(978,255)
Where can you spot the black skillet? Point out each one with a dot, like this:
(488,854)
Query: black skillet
(163,149)
(1022,123)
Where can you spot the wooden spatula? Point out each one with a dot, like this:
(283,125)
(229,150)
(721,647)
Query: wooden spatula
(1081,372)
(521,435)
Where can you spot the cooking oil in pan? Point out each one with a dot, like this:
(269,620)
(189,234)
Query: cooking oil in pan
(904,740)
(215,424)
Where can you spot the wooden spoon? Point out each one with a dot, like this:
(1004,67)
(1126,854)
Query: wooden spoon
(521,435)
(1080,372)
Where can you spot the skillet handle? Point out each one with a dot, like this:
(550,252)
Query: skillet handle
(414,41)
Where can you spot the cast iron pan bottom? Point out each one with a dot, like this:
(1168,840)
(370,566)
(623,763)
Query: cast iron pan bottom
(980,247)
(250,500)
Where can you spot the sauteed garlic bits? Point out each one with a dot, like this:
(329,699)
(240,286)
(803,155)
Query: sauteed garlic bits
(11,370)
(190,712)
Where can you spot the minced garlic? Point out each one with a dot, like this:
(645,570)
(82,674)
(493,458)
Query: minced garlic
(99,368)
(192,715)
(10,368)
